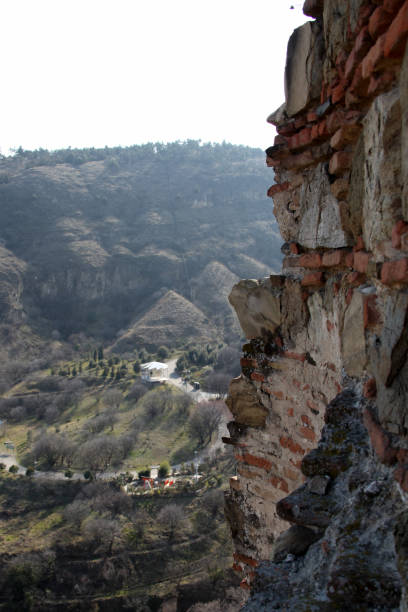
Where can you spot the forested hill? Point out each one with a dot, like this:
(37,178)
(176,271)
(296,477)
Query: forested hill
(132,244)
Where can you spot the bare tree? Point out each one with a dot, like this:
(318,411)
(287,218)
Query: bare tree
(218,382)
(113,398)
(98,454)
(171,518)
(54,450)
(205,421)
(101,532)
(213,501)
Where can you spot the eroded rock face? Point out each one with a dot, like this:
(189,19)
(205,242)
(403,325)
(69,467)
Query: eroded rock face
(329,373)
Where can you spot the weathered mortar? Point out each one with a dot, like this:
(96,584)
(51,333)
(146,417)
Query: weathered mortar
(337,317)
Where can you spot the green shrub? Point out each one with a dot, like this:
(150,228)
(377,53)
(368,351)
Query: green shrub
(13,469)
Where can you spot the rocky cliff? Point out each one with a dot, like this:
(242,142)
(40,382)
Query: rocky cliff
(320,431)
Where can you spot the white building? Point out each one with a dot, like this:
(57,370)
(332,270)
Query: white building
(154,371)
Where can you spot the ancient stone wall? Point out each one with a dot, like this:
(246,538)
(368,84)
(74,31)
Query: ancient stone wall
(329,336)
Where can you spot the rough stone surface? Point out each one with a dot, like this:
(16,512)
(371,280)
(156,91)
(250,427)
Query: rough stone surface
(325,373)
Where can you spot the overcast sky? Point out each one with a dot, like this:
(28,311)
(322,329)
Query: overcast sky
(119,72)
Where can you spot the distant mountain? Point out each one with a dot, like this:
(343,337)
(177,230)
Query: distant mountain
(142,242)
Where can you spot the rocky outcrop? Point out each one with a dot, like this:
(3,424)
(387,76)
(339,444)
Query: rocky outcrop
(327,351)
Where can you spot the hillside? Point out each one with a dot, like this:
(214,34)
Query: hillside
(99,237)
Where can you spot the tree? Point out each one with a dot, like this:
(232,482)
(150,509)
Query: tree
(218,382)
(163,352)
(171,518)
(100,353)
(205,421)
(164,469)
(13,469)
(113,398)
(99,453)
(101,532)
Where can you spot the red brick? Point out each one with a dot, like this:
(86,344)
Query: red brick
(380,440)
(344,136)
(331,366)
(277,188)
(278,395)
(306,388)
(370,313)
(310,260)
(359,84)
(291,412)
(333,258)
(279,483)
(305,419)
(370,388)
(323,129)
(279,140)
(349,260)
(257,376)
(379,22)
(361,261)
(312,405)
(311,116)
(313,279)
(392,6)
(297,356)
(237,568)
(396,36)
(339,91)
(291,474)
(364,14)
(239,558)
(398,230)
(294,248)
(349,296)
(259,462)
(329,325)
(335,120)
(248,363)
(361,45)
(291,445)
(374,58)
(244,585)
(395,272)
(307,433)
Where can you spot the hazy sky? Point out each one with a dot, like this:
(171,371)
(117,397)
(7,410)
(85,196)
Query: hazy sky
(118,72)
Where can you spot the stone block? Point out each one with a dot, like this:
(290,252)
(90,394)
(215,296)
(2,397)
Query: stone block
(353,337)
(313,8)
(244,404)
(257,308)
(340,162)
(344,136)
(303,67)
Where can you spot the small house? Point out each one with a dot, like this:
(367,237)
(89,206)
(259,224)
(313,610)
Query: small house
(154,371)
